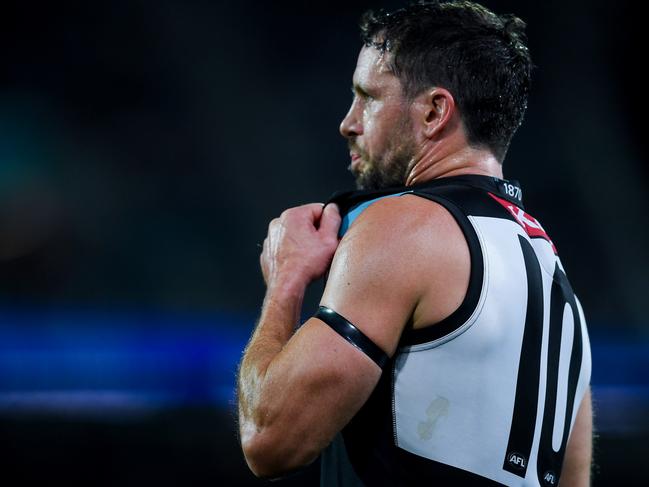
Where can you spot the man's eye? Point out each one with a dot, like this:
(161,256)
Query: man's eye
(361,94)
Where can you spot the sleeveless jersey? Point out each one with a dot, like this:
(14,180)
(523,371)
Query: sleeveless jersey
(489,395)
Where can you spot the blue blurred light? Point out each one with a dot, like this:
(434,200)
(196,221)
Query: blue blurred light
(148,360)
(111,364)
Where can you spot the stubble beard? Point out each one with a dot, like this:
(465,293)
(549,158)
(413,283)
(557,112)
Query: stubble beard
(391,167)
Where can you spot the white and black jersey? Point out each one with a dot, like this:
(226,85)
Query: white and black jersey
(489,395)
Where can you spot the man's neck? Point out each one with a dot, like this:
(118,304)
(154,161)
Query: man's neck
(466,160)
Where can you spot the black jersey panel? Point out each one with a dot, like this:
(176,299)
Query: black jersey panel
(416,470)
(369,436)
(335,467)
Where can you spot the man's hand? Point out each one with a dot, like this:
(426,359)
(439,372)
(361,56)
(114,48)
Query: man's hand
(300,244)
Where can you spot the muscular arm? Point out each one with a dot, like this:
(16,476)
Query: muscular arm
(293,401)
(274,376)
(579,451)
(296,391)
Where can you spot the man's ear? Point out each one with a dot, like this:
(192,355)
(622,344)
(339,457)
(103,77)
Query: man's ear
(437,109)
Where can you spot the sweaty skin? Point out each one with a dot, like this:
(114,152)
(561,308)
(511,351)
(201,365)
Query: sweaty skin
(297,389)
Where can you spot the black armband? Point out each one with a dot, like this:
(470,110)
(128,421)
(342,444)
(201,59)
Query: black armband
(352,334)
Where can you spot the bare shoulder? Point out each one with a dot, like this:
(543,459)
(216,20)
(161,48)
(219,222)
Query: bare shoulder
(432,251)
(407,230)
(403,261)
(404,219)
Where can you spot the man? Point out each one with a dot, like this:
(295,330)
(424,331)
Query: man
(449,348)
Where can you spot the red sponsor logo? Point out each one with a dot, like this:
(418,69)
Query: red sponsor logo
(530,224)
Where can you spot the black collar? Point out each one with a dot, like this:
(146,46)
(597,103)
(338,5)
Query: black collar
(509,190)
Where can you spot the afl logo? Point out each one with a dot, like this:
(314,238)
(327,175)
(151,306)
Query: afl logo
(549,478)
(517,460)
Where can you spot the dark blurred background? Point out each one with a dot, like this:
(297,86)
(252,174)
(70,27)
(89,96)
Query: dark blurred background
(145,146)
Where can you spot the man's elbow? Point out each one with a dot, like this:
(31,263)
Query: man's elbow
(272,455)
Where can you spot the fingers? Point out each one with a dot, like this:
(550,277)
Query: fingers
(330,220)
(314,210)
(324,219)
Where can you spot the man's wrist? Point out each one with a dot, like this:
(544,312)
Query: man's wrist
(288,286)
(283,302)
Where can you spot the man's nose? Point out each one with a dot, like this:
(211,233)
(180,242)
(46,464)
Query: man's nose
(351,126)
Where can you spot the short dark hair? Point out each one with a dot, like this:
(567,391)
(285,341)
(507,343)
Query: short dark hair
(479,56)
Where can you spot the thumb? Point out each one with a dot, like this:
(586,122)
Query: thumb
(330,220)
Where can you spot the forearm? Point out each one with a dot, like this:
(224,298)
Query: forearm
(272,380)
(280,313)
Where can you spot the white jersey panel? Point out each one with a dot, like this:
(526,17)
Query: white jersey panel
(454,397)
